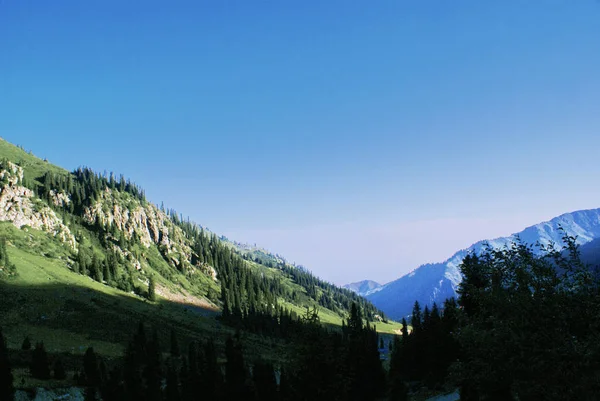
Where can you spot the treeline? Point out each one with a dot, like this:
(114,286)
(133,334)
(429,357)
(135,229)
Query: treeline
(326,294)
(322,365)
(525,327)
(246,293)
(424,356)
(530,326)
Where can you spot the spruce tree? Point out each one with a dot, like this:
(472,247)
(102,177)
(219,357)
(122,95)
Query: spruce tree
(152,372)
(151,289)
(59,370)
(90,368)
(89,394)
(7,390)
(172,388)
(39,367)
(174,344)
(26,345)
(235,370)
(264,381)
(404,330)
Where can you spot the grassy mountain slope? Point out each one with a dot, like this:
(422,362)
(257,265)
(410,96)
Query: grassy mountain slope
(85,249)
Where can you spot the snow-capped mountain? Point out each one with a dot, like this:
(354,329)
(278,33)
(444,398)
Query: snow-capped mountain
(435,282)
(362,287)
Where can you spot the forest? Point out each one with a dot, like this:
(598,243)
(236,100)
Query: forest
(524,327)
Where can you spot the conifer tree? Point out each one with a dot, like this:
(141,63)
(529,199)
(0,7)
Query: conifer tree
(404,330)
(90,368)
(151,289)
(89,394)
(135,359)
(26,345)
(59,370)
(152,371)
(212,376)
(264,381)
(172,387)
(39,367)
(7,390)
(235,370)
(174,344)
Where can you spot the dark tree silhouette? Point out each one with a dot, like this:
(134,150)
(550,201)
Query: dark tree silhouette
(7,390)
(39,367)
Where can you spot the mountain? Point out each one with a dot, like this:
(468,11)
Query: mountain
(362,287)
(435,282)
(84,255)
(590,254)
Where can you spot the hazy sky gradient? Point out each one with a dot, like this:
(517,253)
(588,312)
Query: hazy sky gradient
(359,139)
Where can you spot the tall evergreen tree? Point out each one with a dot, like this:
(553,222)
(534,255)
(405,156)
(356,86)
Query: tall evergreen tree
(7,390)
(153,371)
(172,392)
(90,368)
(235,370)
(39,367)
(26,345)
(151,289)
(59,370)
(174,344)
(264,381)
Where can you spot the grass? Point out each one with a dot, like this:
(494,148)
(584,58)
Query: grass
(33,166)
(330,318)
(70,312)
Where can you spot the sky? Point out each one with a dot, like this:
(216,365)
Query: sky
(357,138)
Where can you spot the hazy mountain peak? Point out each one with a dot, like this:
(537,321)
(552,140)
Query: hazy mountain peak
(435,282)
(362,287)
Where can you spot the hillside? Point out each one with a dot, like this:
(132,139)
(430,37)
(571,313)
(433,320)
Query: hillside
(87,249)
(435,282)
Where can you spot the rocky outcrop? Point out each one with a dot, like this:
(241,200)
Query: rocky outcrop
(60,199)
(20,206)
(11,174)
(146,222)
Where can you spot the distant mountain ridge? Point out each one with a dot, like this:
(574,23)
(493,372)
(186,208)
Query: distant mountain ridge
(435,282)
(362,287)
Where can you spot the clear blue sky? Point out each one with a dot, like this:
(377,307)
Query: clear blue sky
(359,138)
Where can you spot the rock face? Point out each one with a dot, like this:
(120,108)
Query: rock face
(19,206)
(146,222)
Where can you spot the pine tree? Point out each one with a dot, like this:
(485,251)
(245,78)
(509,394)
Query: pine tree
(26,345)
(416,319)
(151,289)
(89,394)
(7,390)
(174,344)
(235,370)
(59,370)
(152,371)
(404,331)
(264,381)
(135,359)
(212,376)
(39,367)
(90,368)
(172,388)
